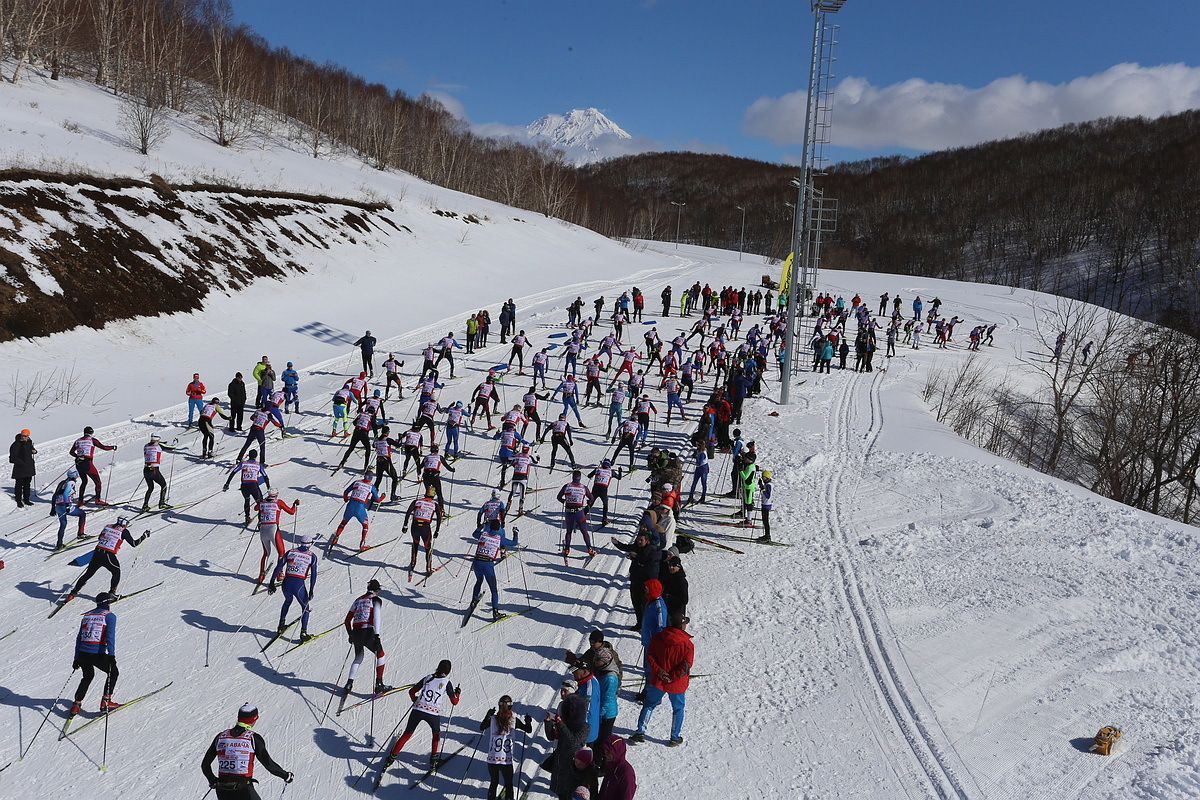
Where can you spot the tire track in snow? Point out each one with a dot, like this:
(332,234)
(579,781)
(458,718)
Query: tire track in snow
(942,779)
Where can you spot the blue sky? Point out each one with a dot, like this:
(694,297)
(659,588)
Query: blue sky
(729,77)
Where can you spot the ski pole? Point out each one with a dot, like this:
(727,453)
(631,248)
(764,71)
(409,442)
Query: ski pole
(51,483)
(48,712)
(463,779)
(108,481)
(338,684)
(170,474)
(104,750)
(245,553)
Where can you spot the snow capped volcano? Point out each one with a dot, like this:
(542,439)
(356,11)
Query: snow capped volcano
(582,133)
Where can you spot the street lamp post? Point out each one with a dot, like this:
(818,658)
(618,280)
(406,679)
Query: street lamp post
(742,241)
(678,219)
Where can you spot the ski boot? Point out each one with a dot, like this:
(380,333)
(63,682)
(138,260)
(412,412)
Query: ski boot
(346,689)
(75,709)
(107,704)
(282,627)
(146,509)
(591,552)
(765,538)
(305,636)
(496,615)
(381,687)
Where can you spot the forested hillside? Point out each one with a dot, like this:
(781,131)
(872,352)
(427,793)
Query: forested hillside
(1105,211)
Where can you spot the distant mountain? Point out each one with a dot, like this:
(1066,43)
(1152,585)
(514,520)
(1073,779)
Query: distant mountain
(585,135)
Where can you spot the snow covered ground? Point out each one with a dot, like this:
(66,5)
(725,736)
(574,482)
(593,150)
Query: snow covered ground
(945,624)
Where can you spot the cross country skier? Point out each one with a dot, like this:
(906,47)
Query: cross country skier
(268,529)
(391,368)
(671,384)
(591,370)
(499,724)
(627,435)
(427,695)
(627,359)
(569,390)
(207,434)
(454,420)
(66,504)
(412,444)
(236,751)
(291,388)
(699,474)
(357,386)
(560,436)
(373,405)
(364,423)
(575,497)
(96,649)
(530,412)
(431,471)
(508,445)
(341,405)
(518,352)
(359,498)
(570,355)
(522,462)
(491,549)
(420,514)
(446,352)
(252,473)
(540,360)
(616,408)
(601,477)
(151,470)
(257,432)
(363,626)
(642,413)
(481,399)
(108,544)
(297,566)
(426,411)
(492,509)
(82,451)
(385,448)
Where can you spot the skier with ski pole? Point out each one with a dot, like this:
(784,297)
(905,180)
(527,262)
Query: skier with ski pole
(500,724)
(427,696)
(237,750)
(491,549)
(66,504)
(96,649)
(420,514)
(359,497)
(252,473)
(108,544)
(268,529)
(152,470)
(297,566)
(83,451)
(363,625)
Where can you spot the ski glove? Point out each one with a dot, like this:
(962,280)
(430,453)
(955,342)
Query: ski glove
(271,588)
(290,777)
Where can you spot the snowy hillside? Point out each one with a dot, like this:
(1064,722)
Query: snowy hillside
(583,134)
(940,624)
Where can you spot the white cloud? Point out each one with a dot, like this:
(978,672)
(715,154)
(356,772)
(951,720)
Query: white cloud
(450,103)
(921,115)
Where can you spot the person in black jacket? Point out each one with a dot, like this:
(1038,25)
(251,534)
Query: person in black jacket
(644,566)
(20,455)
(237,751)
(367,344)
(675,585)
(237,402)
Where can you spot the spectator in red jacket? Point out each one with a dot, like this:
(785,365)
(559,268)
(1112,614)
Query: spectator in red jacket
(195,395)
(669,668)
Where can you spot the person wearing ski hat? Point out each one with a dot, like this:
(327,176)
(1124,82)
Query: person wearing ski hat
(589,687)
(589,774)
(207,433)
(20,455)
(252,475)
(152,470)
(427,695)
(291,388)
(601,660)
(108,544)
(360,497)
(366,343)
(195,392)
(268,529)
(500,723)
(297,566)
(237,750)
(363,626)
(490,549)
(82,451)
(96,649)
(645,561)
(764,501)
(66,504)
(568,729)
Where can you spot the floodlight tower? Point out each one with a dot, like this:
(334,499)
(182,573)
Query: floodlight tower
(815,214)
